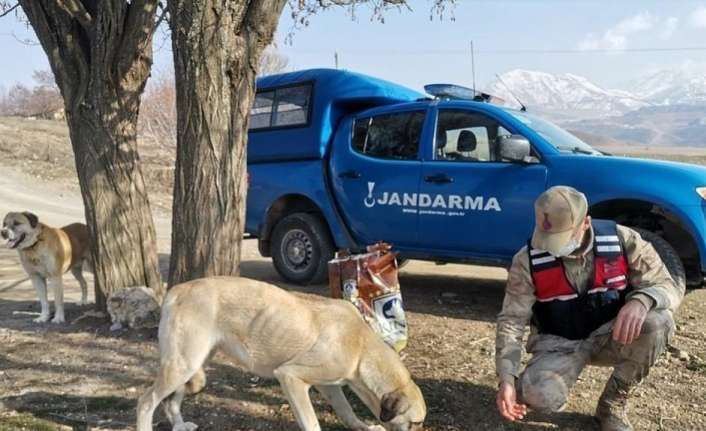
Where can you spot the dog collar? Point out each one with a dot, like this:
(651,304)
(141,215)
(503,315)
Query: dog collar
(33,245)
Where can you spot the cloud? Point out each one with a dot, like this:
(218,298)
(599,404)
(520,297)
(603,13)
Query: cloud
(668,28)
(697,18)
(616,38)
(640,22)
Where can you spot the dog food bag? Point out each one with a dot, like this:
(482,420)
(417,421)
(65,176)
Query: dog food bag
(370,282)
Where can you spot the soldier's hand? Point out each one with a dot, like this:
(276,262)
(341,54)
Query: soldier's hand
(507,403)
(628,324)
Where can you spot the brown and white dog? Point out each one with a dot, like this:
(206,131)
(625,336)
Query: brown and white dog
(301,341)
(46,254)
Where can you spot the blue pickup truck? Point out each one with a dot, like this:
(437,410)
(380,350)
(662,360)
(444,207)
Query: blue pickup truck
(340,160)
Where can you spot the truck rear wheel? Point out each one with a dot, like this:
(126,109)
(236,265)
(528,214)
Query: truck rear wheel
(301,248)
(668,254)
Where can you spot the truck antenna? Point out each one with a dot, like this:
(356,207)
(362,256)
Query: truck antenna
(473,67)
(335,58)
(524,108)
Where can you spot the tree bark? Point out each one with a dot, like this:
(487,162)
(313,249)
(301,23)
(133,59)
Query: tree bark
(217,46)
(101,53)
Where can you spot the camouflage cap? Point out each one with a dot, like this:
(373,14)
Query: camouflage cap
(558,213)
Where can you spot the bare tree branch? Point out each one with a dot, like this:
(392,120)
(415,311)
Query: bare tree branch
(303,10)
(68,60)
(260,18)
(139,29)
(272,62)
(9,10)
(27,41)
(440,7)
(327,3)
(76,10)
(162,17)
(140,19)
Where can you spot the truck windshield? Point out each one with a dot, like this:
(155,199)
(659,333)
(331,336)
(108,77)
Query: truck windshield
(555,135)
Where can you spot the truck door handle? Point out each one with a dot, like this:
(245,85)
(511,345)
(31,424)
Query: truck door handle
(438,179)
(349,174)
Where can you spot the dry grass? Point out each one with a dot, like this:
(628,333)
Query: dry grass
(42,149)
(89,378)
(695,156)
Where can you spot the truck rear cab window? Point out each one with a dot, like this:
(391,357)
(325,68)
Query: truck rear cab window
(389,136)
(292,106)
(261,112)
(282,107)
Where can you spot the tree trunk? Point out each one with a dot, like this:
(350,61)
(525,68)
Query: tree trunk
(101,54)
(217,46)
(117,209)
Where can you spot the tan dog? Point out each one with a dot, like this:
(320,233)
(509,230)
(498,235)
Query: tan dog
(46,254)
(301,341)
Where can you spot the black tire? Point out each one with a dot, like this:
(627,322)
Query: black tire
(402,262)
(301,248)
(668,254)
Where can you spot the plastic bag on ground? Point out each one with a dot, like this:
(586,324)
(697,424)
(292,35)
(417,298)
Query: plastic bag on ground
(370,281)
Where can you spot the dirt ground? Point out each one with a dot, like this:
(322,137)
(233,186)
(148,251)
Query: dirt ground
(81,376)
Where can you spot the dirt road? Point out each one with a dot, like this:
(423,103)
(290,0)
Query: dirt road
(81,376)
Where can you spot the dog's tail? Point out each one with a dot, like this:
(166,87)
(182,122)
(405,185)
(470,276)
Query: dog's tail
(196,383)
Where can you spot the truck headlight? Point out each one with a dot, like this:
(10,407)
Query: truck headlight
(701,191)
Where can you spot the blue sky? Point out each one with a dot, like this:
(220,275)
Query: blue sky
(596,39)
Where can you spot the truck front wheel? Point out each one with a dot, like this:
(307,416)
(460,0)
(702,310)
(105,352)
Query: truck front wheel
(301,248)
(668,254)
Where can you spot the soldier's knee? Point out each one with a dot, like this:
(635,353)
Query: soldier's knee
(543,390)
(657,323)
(643,352)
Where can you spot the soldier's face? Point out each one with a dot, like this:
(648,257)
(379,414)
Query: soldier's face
(580,233)
(585,226)
(576,239)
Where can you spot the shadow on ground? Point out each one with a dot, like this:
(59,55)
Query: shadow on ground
(475,403)
(455,402)
(110,412)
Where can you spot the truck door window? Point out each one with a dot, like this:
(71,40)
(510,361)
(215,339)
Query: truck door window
(466,136)
(389,136)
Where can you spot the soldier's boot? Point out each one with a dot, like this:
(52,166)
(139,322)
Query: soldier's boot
(612,410)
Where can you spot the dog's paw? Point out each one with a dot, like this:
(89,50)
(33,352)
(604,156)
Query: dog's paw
(58,319)
(41,319)
(186,426)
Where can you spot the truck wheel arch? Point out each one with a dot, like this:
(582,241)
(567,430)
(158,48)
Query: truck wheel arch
(659,220)
(280,208)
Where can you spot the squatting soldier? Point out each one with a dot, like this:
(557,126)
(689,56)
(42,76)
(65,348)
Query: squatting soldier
(595,293)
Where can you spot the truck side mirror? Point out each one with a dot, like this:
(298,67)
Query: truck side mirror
(514,148)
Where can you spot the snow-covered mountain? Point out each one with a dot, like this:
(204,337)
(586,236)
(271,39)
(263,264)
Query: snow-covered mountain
(667,107)
(672,87)
(650,85)
(571,96)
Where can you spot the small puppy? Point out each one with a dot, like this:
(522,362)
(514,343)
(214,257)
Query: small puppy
(301,341)
(135,307)
(46,254)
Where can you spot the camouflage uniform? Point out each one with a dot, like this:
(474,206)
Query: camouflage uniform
(557,362)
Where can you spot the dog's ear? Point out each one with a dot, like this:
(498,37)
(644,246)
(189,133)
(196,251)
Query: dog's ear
(33,219)
(392,405)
